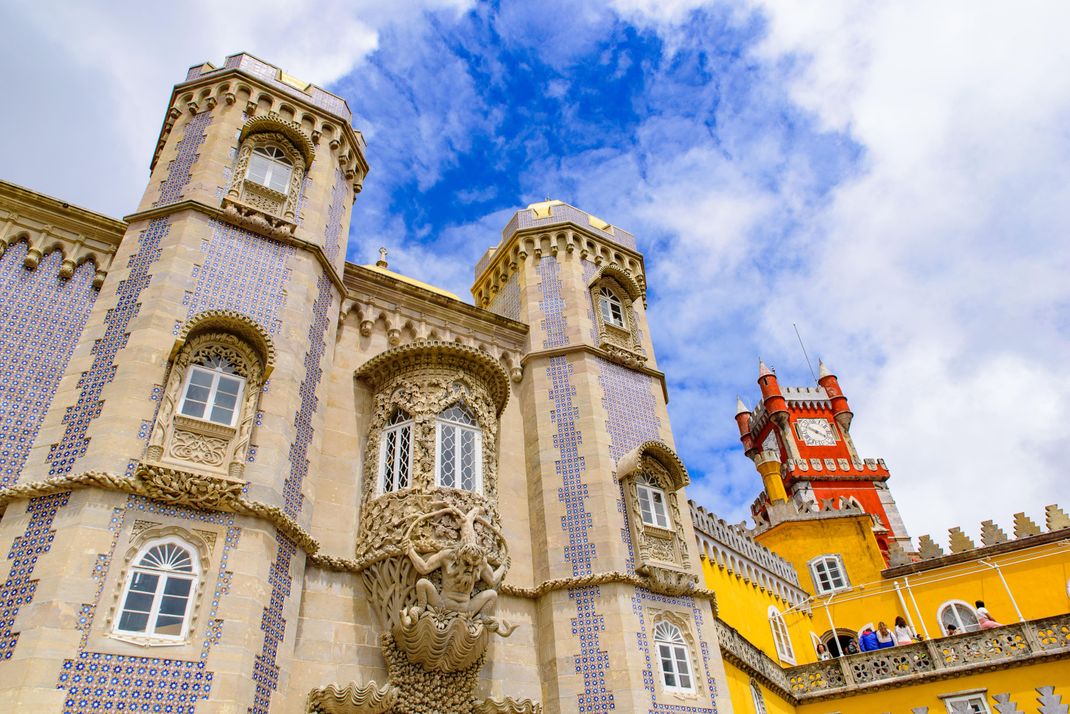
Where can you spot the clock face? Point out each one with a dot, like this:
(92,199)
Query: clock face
(816,432)
(770,443)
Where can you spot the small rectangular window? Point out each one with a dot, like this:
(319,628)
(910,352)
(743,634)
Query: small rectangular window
(967,704)
(828,574)
(652,507)
(211,395)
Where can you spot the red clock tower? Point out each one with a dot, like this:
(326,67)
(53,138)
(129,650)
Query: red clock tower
(800,440)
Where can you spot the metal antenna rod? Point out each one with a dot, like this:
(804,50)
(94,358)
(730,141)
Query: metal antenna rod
(804,351)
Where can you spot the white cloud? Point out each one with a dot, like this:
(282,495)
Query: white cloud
(129,57)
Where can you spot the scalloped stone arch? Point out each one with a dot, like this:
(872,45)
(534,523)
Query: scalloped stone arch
(229,321)
(626,281)
(661,452)
(271,124)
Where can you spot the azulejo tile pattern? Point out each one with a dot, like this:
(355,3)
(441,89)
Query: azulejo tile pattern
(651,670)
(273,624)
(43,317)
(178,171)
(552,305)
(100,681)
(241,272)
(76,420)
(337,210)
(507,302)
(592,662)
(19,588)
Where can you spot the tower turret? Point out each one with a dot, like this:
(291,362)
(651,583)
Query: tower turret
(841,411)
(743,419)
(771,395)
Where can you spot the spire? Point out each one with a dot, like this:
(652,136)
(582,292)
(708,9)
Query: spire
(382,259)
(762,369)
(741,408)
(822,370)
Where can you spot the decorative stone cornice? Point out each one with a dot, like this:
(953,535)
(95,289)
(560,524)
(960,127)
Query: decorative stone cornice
(611,577)
(561,351)
(430,354)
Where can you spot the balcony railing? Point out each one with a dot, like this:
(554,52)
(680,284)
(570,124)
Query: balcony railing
(904,664)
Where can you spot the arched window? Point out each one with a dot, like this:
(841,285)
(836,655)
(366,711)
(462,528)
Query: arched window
(757,697)
(268,166)
(828,574)
(213,391)
(652,503)
(959,614)
(611,308)
(673,657)
(459,456)
(780,636)
(395,453)
(159,591)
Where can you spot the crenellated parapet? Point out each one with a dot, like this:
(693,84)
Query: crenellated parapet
(47,225)
(733,548)
(994,540)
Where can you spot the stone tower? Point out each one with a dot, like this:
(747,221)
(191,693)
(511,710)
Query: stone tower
(597,443)
(229,271)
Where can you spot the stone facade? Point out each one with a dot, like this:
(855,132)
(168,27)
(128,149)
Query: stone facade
(379,498)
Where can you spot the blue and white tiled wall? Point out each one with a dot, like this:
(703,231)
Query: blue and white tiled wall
(43,318)
(179,170)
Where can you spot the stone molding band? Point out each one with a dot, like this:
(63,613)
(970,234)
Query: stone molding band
(219,493)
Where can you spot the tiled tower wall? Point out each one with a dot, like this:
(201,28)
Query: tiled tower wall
(64,553)
(582,414)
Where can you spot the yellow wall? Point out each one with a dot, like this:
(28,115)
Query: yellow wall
(742,702)
(743,606)
(1019,682)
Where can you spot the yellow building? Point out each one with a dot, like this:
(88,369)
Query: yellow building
(809,577)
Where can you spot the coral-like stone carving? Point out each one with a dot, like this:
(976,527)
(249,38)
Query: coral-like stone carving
(353,699)
(188,488)
(508,705)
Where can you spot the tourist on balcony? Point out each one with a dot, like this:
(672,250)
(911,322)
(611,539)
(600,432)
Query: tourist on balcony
(986,622)
(852,648)
(868,641)
(904,633)
(952,629)
(823,652)
(884,636)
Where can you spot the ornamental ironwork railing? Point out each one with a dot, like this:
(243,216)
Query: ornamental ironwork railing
(904,664)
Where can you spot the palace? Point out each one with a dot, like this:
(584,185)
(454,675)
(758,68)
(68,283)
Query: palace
(241,474)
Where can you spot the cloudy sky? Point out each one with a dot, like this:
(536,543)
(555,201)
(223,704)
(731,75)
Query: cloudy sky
(893,177)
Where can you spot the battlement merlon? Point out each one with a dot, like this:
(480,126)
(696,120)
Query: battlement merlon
(557,226)
(191,95)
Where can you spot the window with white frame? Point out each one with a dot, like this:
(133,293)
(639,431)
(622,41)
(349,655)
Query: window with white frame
(213,391)
(610,306)
(268,166)
(959,614)
(395,453)
(159,591)
(757,697)
(780,636)
(653,506)
(972,703)
(829,574)
(459,456)
(673,657)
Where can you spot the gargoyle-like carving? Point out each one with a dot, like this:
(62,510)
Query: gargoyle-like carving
(462,566)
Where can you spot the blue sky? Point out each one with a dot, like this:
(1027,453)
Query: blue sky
(892,177)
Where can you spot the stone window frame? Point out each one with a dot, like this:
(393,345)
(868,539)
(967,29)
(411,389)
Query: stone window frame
(406,427)
(620,342)
(682,623)
(757,697)
(659,551)
(480,434)
(966,697)
(195,576)
(209,406)
(186,443)
(254,205)
(781,638)
(145,535)
(824,560)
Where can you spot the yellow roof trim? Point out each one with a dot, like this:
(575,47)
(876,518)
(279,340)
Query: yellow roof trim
(411,281)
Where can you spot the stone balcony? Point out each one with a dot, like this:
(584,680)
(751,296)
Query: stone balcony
(1007,646)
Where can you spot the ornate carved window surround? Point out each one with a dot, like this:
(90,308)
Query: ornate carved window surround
(253,205)
(667,620)
(620,342)
(199,445)
(661,553)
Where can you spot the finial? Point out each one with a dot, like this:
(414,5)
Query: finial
(382,259)
(762,369)
(741,408)
(822,370)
